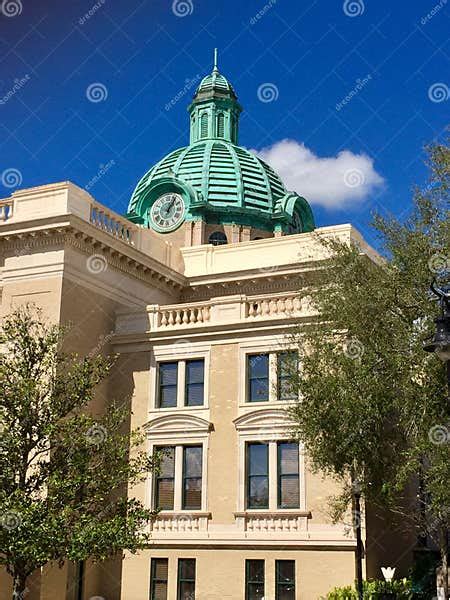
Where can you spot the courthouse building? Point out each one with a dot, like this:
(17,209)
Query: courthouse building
(196,288)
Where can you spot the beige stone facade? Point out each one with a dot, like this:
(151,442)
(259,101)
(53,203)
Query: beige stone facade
(151,299)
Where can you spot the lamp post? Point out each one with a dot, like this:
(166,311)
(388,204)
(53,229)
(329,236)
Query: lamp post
(440,345)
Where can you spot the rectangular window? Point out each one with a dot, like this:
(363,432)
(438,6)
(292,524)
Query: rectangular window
(192,477)
(285,579)
(287,368)
(186,579)
(288,476)
(167,382)
(257,475)
(254,580)
(195,374)
(158,579)
(258,377)
(165,479)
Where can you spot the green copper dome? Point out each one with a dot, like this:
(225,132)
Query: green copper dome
(219,181)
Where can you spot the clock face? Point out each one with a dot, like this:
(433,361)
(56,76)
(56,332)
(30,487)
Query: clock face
(167,212)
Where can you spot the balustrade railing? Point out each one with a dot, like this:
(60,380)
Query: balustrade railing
(6,209)
(113,224)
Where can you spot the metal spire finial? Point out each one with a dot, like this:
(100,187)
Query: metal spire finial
(215,60)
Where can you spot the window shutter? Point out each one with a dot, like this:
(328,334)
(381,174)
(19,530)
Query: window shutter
(220,125)
(204,125)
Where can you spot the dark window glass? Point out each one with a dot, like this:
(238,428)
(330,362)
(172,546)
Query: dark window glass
(168,375)
(258,476)
(258,377)
(217,238)
(254,580)
(165,479)
(220,125)
(158,580)
(192,477)
(288,476)
(287,368)
(285,580)
(195,374)
(186,579)
(204,125)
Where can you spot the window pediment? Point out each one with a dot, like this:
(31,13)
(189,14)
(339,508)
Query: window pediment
(178,425)
(268,420)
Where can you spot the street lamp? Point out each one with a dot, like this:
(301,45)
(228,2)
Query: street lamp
(440,344)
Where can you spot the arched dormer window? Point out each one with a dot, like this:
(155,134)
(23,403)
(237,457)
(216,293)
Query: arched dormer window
(220,125)
(217,238)
(204,125)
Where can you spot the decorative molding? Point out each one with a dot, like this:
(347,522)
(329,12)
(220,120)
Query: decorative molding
(263,421)
(170,425)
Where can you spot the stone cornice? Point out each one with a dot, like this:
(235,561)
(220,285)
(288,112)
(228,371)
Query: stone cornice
(70,230)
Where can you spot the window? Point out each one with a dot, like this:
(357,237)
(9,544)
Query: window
(165,479)
(168,377)
(257,475)
(270,376)
(181,383)
(192,477)
(158,579)
(217,238)
(288,476)
(220,125)
(186,579)
(204,125)
(254,580)
(195,375)
(258,377)
(287,366)
(178,485)
(285,580)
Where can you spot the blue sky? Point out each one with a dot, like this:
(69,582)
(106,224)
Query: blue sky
(390,60)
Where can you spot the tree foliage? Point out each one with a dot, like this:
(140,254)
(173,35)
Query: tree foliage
(63,471)
(374,405)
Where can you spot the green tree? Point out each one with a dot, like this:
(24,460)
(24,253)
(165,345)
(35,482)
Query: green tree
(63,472)
(374,409)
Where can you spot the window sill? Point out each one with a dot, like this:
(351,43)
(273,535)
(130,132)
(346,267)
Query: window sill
(281,513)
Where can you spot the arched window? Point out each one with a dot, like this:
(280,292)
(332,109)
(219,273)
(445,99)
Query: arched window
(217,238)
(220,125)
(204,125)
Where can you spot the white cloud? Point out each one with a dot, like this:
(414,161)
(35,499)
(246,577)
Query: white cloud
(332,182)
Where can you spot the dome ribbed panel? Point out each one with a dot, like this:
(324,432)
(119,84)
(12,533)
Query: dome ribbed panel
(222,176)
(256,189)
(278,189)
(160,168)
(190,168)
